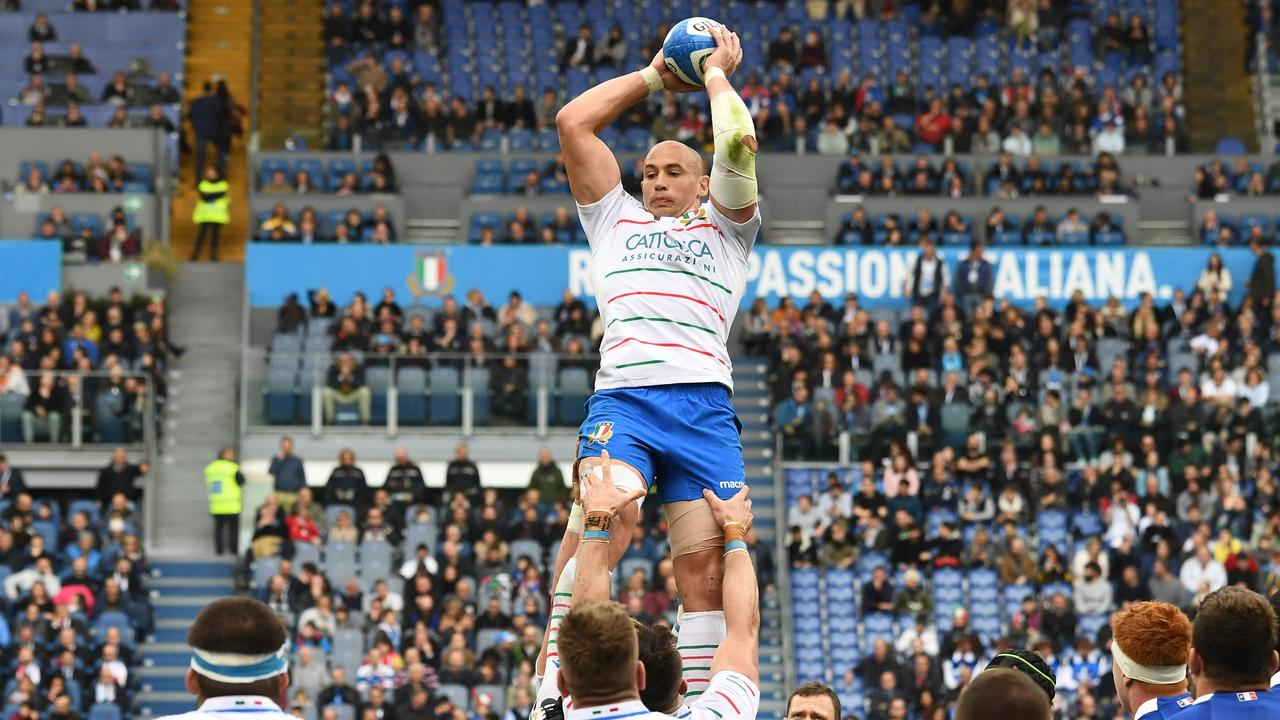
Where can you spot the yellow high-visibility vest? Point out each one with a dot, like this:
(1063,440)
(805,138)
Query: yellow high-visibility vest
(224,491)
(213,211)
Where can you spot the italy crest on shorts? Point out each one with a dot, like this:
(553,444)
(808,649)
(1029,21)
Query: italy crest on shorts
(601,434)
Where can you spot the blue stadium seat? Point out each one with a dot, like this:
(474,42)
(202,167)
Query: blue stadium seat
(574,387)
(445,405)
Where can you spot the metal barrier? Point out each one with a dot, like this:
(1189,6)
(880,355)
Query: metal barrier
(137,426)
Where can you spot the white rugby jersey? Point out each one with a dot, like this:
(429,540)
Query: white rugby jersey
(235,707)
(667,290)
(729,695)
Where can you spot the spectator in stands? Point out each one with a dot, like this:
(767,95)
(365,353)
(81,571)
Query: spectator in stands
(33,184)
(929,277)
(69,92)
(36,93)
(118,478)
(118,91)
(163,92)
(346,385)
(288,474)
(975,277)
(1262,281)
(118,244)
(12,481)
(611,51)
(79,63)
(461,476)
(44,411)
(579,50)
(934,125)
(41,30)
(1071,225)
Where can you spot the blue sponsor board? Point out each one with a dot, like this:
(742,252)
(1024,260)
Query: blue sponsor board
(30,266)
(425,274)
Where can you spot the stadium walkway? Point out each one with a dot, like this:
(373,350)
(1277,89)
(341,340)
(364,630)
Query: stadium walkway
(206,308)
(1216,83)
(219,43)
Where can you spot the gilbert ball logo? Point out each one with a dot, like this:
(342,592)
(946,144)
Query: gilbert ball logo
(431,275)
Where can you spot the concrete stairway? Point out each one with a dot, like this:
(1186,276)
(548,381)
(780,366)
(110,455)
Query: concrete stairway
(751,399)
(291,88)
(1216,83)
(180,588)
(206,309)
(219,43)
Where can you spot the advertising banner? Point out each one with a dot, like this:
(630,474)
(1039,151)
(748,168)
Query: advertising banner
(878,275)
(31,266)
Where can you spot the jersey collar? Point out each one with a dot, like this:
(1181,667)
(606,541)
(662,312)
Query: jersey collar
(1275,680)
(239,703)
(1146,707)
(613,711)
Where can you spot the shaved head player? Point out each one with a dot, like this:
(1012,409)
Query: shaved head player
(239,662)
(668,271)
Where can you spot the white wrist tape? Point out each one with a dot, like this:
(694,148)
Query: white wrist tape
(575,519)
(733,175)
(651,78)
(713,71)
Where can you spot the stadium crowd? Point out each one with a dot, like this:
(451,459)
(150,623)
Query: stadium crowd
(104,359)
(75,601)
(1085,459)
(444,612)
(390,96)
(470,334)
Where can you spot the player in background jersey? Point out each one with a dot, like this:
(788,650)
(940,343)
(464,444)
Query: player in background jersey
(1233,656)
(732,690)
(239,662)
(669,273)
(1150,643)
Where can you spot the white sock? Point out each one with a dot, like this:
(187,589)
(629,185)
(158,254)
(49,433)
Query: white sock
(559,606)
(697,637)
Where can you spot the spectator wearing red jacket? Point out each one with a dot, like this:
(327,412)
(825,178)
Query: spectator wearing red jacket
(934,124)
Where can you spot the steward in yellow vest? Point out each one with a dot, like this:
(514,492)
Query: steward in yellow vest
(222,481)
(213,210)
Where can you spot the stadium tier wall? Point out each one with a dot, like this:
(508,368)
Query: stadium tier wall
(794,187)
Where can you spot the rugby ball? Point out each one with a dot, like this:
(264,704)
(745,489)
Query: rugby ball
(687,48)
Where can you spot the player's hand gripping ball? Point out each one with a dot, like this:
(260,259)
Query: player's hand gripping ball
(687,48)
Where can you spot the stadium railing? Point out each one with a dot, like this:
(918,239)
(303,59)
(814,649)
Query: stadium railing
(285,387)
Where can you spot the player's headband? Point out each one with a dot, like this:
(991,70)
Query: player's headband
(240,669)
(1153,674)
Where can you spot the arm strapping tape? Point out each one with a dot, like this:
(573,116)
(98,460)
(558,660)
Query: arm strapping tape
(733,176)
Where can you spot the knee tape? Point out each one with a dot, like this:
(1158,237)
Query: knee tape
(625,477)
(692,528)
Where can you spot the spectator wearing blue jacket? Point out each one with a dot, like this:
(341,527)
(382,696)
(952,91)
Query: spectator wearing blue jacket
(974,277)
(288,475)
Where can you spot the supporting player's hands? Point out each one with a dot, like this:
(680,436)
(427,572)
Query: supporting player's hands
(599,494)
(728,52)
(735,509)
(669,79)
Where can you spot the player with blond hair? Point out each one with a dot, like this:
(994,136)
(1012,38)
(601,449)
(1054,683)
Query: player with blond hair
(1150,645)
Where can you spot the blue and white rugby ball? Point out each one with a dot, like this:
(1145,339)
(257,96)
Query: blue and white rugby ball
(687,48)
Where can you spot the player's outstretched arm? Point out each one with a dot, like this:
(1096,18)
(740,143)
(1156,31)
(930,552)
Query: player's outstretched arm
(601,501)
(592,169)
(734,190)
(740,650)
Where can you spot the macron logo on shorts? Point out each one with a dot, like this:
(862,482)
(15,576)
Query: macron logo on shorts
(732,484)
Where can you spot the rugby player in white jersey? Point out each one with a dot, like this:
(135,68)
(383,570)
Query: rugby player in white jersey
(733,692)
(668,272)
(239,664)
